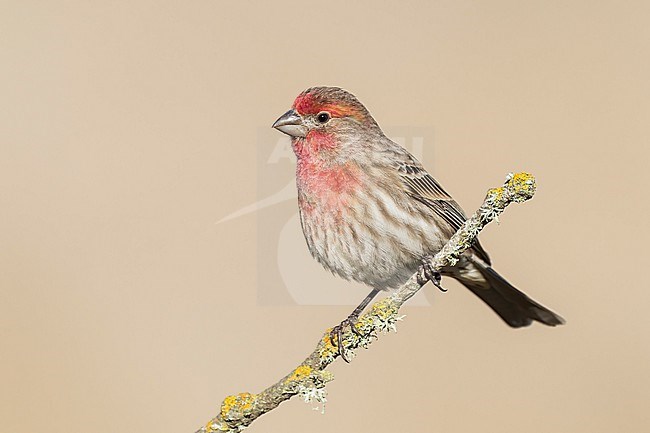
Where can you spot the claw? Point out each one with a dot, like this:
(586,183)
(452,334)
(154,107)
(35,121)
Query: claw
(350,322)
(426,273)
(338,332)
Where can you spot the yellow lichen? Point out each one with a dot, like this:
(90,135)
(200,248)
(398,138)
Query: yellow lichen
(364,324)
(495,194)
(240,403)
(300,373)
(523,177)
(384,309)
(327,350)
(522,184)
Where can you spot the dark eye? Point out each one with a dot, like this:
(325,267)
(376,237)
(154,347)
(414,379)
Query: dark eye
(323,117)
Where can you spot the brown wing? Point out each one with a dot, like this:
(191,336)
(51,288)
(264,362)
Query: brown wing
(422,187)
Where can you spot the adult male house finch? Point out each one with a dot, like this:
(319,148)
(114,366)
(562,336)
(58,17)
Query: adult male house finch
(371,213)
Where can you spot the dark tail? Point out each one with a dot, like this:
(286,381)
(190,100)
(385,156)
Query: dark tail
(513,306)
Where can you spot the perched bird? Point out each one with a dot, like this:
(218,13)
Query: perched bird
(370,212)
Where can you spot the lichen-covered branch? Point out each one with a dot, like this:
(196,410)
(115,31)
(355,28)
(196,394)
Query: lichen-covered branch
(309,378)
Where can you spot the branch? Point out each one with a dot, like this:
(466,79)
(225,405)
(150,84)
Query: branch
(309,378)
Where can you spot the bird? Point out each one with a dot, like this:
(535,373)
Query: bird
(370,212)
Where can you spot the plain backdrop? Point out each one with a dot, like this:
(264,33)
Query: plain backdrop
(128,128)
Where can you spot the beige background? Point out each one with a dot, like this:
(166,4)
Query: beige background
(128,128)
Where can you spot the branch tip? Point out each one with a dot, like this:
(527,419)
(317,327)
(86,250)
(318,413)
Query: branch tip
(309,378)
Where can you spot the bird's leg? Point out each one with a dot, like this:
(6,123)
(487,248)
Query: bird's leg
(426,272)
(349,322)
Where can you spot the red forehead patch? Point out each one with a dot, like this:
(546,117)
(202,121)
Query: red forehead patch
(306,103)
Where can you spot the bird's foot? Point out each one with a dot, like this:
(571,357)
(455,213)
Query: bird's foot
(336,334)
(426,272)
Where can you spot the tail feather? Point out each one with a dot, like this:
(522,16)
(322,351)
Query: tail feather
(513,306)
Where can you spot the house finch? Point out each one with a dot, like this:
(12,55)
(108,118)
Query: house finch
(371,213)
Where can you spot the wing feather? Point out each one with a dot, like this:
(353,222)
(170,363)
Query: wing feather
(422,187)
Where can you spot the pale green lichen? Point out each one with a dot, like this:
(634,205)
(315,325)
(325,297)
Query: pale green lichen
(313,391)
(491,209)
(382,317)
(316,396)
(309,385)
(215,426)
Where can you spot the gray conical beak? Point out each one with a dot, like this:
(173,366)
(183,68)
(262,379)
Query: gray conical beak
(291,124)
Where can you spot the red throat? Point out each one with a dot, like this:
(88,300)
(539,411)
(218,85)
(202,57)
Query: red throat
(326,184)
(314,144)
(326,189)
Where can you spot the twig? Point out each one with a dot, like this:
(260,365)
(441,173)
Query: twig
(309,378)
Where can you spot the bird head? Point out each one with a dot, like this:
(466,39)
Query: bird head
(326,120)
